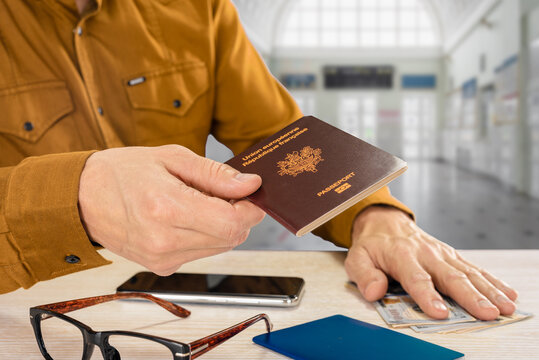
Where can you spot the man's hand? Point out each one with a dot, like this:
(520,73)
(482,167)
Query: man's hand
(387,241)
(162,207)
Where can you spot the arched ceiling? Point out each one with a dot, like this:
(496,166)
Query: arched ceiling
(451,13)
(261,17)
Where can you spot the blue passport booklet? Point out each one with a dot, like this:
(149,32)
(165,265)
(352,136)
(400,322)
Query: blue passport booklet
(343,338)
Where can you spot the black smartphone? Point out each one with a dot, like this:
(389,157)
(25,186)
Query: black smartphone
(219,288)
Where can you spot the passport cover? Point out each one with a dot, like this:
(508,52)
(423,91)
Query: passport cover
(312,171)
(343,338)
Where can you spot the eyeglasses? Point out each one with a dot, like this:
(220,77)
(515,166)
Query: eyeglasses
(56,333)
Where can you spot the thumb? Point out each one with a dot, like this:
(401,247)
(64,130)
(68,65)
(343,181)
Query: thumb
(214,178)
(371,281)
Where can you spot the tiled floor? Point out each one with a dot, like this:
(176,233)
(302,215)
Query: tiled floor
(464,209)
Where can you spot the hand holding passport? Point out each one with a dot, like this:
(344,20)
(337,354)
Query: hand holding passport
(312,171)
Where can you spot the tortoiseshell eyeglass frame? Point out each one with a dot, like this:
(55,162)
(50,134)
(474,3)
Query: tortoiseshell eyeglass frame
(91,338)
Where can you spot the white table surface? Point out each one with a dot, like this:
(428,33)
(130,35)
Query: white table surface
(325,295)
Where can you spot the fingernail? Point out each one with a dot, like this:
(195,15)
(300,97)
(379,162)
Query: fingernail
(485,303)
(439,305)
(241,177)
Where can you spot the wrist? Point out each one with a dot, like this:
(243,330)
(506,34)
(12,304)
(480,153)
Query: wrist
(380,219)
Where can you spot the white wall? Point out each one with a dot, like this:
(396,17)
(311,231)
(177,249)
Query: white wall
(498,42)
(531,88)
(497,150)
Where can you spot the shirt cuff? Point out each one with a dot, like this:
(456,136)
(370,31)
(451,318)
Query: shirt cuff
(42,215)
(339,229)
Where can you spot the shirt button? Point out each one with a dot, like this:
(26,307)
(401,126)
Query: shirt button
(28,126)
(79,30)
(100,111)
(72,259)
(177,103)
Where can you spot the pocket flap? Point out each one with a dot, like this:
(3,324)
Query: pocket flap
(172,90)
(29,110)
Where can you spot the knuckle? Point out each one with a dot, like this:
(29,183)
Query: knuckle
(420,276)
(214,168)
(156,246)
(161,246)
(191,192)
(471,272)
(227,230)
(173,149)
(165,267)
(429,251)
(418,284)
(486,274)
(232,233)
(455,275)
(422,293)
(260,215)
(164,270)
(494,294)
(349,262)
(241,239)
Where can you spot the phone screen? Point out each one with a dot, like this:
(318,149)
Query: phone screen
(204,286)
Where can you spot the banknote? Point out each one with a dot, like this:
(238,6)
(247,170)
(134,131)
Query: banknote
(399,310)
(402,311)
(476,325)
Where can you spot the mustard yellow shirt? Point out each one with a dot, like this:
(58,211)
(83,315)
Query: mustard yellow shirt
(138,72)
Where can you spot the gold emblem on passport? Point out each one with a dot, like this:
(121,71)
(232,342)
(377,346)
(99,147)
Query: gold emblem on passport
(342,188)
(297,162)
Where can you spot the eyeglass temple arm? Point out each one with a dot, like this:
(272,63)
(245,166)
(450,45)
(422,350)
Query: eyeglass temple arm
(201,346)
(72,305)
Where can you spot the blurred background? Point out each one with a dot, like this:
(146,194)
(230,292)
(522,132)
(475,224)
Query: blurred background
(450,86)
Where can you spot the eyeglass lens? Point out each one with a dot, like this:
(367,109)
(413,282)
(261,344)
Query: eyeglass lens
(131,347)
(63,340)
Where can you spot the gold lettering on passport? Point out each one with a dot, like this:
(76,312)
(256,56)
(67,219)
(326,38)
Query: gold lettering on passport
(297,162)
(273,145)
(342,188)
(339,186)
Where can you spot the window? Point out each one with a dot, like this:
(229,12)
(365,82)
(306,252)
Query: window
(358,23)
(357,116)
(418,126)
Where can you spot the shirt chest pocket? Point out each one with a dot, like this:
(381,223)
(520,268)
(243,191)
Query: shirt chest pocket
(27,112)
(168,100)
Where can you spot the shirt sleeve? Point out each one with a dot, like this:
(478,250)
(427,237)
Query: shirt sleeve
(41,234)
(251,105)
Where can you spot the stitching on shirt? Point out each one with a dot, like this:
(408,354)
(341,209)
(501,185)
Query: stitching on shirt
(13,242)
(75,219)
(174,68)
(25,231)
(9,58)
(16,268)
(159,32)
(53,84)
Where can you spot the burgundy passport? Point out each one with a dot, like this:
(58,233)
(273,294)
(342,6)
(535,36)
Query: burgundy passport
(312,171)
